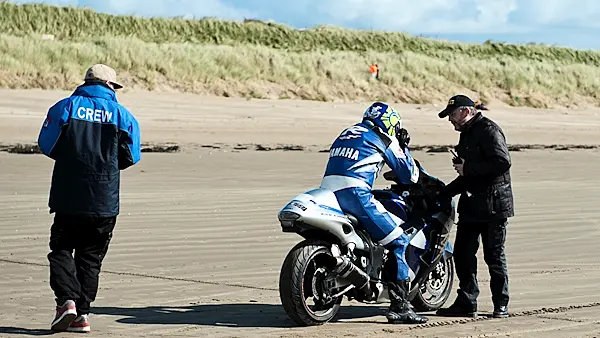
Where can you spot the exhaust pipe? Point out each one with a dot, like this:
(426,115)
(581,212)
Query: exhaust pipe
(346,269)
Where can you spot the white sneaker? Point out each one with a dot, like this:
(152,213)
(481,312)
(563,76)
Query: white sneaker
(80,324)
(64,316)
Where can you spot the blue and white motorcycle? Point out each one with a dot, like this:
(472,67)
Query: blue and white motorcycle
(337,258)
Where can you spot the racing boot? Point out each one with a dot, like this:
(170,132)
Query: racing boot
(400,311)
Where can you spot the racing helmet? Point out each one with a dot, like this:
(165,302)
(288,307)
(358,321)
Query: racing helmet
(385,117)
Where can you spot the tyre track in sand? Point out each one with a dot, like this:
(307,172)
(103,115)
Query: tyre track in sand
(244,286)
(549,328)
(525,313)
(145,275)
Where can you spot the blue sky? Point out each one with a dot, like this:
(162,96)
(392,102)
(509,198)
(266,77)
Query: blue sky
(571,23)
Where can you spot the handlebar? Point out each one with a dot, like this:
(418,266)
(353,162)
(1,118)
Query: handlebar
(424,192)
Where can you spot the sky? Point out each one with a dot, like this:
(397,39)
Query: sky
(569,23)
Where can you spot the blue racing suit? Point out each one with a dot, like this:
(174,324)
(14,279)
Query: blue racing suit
(356,158)
(91,137)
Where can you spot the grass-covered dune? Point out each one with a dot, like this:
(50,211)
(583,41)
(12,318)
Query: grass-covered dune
(261,60)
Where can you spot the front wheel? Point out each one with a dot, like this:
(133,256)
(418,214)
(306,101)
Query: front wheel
(304,277)
(436,289)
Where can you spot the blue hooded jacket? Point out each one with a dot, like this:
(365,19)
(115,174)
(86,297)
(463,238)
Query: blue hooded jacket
(91,137)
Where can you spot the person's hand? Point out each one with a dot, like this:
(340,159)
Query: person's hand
(390,176)
(460,167)
(403,138)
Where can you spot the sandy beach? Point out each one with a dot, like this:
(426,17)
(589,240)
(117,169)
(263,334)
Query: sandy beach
(197,248)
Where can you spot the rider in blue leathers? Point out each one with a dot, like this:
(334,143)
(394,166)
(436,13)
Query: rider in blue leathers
(355,161)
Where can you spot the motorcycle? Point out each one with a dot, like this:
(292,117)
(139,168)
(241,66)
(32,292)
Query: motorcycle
(337,258)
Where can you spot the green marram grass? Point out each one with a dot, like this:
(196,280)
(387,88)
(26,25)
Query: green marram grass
(263,60)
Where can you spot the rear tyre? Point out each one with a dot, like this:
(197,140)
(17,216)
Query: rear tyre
(434,292)
(304,275)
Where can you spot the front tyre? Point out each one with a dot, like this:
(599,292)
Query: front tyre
(305,276)
(436,289)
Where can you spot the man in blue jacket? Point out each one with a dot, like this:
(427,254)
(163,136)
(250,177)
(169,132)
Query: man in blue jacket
(91,137)
(355,160)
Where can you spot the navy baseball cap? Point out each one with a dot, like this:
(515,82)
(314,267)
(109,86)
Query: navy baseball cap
(455,102)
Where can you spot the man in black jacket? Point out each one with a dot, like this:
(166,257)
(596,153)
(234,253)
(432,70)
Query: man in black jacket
(485,204)
(91,138)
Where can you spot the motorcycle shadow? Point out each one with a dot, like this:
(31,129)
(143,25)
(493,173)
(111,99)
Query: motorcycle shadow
(245,315)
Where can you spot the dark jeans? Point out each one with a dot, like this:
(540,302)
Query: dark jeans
(76,277)
(493,236)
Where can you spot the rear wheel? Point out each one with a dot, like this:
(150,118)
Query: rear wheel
(305,284)
(436,289)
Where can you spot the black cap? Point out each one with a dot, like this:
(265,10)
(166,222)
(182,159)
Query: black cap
(455,102)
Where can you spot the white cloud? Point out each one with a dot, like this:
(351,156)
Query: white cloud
(425,16)
(494,12)
(580,13)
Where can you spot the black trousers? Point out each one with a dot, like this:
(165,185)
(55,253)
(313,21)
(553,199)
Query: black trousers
(75,277)
(493,236)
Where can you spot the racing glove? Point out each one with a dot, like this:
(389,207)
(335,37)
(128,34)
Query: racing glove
(403,138)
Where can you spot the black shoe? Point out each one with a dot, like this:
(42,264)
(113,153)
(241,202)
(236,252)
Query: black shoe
(400,311)
(456,310)
(500,311)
